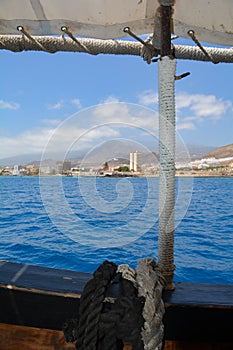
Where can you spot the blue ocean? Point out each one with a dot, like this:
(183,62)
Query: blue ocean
(76,223)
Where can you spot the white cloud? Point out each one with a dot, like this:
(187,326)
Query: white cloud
(126,115)
(98,133)
(113,119)
(85,129)
(200,105)
(185,125)
(111,99)
(203,106)
(31,141)
(56,106)
(66,137)
(52,122)
(111,110)
(148,98)
(184,100)
(76,102)
(9,105)
(210,106)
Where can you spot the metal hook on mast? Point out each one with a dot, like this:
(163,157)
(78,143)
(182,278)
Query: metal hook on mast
(184,75)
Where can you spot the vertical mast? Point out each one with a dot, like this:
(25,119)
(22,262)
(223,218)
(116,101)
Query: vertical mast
(167,69)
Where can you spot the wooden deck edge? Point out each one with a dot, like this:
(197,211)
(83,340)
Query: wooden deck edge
(15,337)
(194,312)
(40,291)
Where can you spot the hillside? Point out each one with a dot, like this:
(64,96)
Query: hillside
(221,152)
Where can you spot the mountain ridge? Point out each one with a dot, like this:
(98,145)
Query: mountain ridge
(221,152)
(110,151)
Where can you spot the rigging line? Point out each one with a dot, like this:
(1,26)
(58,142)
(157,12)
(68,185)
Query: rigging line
(65,30)
(22,30)
(191,33)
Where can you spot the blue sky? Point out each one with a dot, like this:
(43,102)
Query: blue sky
(41,90)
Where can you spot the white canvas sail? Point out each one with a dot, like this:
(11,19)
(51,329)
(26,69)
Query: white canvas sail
(211,20)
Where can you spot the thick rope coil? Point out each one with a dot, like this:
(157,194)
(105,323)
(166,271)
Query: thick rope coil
(150,285)
(106,326)
(122,322)
(91,304)
(134,318)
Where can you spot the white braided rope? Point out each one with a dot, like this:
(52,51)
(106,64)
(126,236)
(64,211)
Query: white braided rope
(194,53)
(17,43)
(149,282)
(167,70)
(150,286)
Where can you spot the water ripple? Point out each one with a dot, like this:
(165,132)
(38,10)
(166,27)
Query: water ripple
(203,239)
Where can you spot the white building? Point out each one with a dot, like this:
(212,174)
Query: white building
(134,161)
(15,171)
(46,170)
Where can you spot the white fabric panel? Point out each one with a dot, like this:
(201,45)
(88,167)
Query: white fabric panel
(105,19)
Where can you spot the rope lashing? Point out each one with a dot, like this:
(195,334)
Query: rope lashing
(133,316)
(18,43)
(148,51)
(33,39)
(167,70)
(64,29)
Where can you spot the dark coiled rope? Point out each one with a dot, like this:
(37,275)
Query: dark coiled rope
(106,325)
(91,304)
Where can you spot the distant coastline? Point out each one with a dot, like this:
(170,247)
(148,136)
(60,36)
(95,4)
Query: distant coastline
(187,174)
(218,163)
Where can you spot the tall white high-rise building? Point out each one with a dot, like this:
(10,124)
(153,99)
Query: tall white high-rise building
(15,170)
(134,161)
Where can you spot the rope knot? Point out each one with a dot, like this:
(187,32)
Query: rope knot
(148,51)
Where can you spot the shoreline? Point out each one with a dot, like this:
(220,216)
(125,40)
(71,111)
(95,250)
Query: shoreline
(187,175)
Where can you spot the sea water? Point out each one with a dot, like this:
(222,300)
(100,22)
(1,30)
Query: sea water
(77,223)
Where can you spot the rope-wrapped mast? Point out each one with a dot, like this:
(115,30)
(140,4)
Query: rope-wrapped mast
(167,69)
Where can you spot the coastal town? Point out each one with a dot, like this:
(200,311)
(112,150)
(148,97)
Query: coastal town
(137,165)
